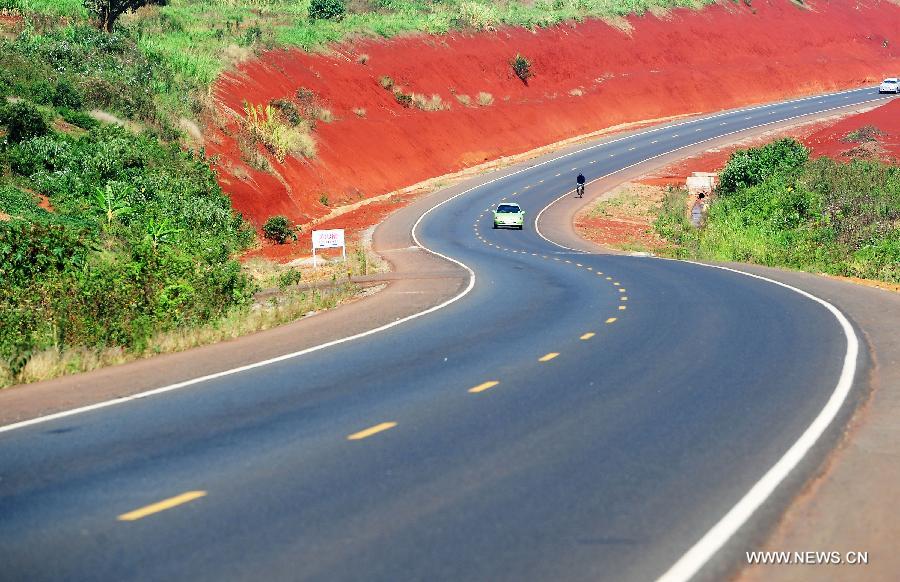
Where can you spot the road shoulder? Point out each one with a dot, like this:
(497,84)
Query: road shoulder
(418,281)
(849,502)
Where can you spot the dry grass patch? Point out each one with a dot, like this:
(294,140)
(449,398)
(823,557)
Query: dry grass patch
(435,103)
(264,125)
(464,99)
(485,99)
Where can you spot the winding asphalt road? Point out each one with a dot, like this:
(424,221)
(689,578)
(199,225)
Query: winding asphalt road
(572,417)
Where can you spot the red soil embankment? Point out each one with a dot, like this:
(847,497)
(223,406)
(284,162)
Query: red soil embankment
(833,139)
(588,76)
(837,141)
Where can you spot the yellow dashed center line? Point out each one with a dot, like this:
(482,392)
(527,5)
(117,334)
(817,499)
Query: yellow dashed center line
(587,336)
(161,505)
(624,298)
(609,278)
(621,290)
(622,308)
(599,273)
(548,357)
(610,320)
(578,265)
(371,431)
(616,283)
(483,386)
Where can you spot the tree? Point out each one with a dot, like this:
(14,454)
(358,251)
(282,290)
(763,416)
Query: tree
(326,9)
(106,12)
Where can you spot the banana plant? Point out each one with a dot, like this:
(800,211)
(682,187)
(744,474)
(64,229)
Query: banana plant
(110,205)
(160,232)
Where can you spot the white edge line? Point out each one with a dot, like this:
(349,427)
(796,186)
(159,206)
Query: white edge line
(176,386)
(712,541)
(222,374)
(537,218)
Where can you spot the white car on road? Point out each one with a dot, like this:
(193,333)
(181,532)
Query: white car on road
(891,85)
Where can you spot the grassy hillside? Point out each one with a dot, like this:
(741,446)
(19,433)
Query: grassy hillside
(777,207)
(111,230)
(193,40)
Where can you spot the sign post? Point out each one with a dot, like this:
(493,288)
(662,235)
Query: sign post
(328,239)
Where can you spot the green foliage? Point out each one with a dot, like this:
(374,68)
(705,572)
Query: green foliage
(326,9)
(403,98)
(139,242)
(75,66)
(65,95)
(522,68)
(23,121)
(822,216)
(278,229)
(865,134)
(106,12)
(289,278)
(78,118)
(752,166)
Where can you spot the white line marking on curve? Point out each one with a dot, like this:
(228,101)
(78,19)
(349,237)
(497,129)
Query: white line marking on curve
(463,293)
(537,218)
(713,540)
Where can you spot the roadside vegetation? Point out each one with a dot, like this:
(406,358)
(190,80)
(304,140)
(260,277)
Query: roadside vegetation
(775,206)
(114,232)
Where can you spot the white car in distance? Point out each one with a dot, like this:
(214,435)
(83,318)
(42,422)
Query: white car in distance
(891,85)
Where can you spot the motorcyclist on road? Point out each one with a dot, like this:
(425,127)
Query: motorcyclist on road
(579,188)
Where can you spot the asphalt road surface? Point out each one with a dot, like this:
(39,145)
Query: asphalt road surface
(572,417)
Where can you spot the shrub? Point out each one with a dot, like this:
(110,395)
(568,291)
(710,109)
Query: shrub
(278,229)
(749,167)
(865,134)
(404,99)
(65,95)
(280,138)
(326,9)
(359,111)
(79,118)
(23,122)
(485,99)
(289,278)
(386,82)
(106,12)
(522,68)
(435,103)
(464,99)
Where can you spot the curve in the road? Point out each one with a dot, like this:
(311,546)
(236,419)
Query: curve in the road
(536,428)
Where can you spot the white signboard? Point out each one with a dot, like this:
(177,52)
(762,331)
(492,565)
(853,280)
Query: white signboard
(328,239)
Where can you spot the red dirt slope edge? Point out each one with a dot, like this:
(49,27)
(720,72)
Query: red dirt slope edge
(588,76)
(824,139)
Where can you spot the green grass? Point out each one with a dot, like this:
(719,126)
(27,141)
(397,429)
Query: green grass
(194,40)
(141,241)
(818,216)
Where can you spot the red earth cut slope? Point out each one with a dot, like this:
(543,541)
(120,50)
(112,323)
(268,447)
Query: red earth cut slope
(588,76)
